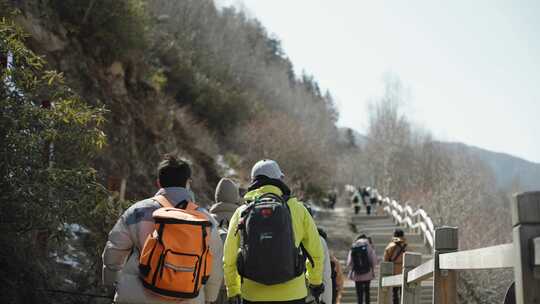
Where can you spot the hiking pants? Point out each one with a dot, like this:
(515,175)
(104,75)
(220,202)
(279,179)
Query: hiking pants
(396,294)
(334,292)
(299,301)
(362,292)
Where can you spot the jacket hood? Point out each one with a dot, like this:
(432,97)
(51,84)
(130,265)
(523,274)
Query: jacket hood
(261,181)
(223,207)
(227,192)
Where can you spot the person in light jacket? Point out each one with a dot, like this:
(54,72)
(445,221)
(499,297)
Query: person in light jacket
(394,253)
(227,200)
(326,296)
(126,239)
(362,281)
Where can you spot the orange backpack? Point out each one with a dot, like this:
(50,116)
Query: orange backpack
(175,260)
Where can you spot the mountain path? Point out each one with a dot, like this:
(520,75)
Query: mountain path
(341,226)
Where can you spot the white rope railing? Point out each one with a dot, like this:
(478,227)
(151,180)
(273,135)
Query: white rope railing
(414,219)
(522,255)
(406,216)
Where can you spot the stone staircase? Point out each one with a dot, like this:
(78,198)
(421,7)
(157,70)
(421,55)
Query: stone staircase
(342,226)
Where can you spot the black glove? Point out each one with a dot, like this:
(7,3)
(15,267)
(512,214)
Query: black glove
(316,291)
(235,300)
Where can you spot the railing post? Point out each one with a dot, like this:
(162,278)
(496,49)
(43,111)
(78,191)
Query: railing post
(444,281)
(386,269)
(526,223)
(410,293)
(536,246)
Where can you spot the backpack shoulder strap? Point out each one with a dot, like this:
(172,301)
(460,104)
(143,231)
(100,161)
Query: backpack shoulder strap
(163,201)
(399,251)
(190,205)
(286,198)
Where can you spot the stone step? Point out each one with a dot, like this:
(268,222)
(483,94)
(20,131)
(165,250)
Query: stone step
(348,295)
(388,230)
(350,288)
(364,217)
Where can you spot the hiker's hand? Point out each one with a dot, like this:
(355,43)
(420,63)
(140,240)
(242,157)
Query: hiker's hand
(235,300)
(316,290)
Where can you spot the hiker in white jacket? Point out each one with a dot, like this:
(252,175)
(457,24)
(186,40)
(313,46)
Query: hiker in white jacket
(326,296)
(121,253)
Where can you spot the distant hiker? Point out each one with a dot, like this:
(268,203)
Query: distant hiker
(380,207)
(268,242)
(365,195)
(394,253)
(332,198)
(356,202)
(157,237)
(362,261)
(337,278)
(373,199)
(226,201)
(367,204)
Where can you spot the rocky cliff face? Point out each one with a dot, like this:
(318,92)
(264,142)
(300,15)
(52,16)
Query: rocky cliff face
(142,123)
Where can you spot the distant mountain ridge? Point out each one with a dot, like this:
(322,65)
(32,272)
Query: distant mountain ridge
(509,170)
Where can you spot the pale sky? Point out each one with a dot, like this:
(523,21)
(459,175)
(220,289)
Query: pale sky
(472,67)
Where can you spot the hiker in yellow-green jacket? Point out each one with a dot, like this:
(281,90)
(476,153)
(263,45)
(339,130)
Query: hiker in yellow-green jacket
(272,245)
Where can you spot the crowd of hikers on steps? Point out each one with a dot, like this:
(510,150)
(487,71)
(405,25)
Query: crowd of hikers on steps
(261,247)
(370,198)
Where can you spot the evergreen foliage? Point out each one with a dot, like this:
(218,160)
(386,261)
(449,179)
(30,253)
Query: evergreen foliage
(49,137)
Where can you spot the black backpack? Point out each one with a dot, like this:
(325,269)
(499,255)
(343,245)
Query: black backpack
(360,258)
(268,254)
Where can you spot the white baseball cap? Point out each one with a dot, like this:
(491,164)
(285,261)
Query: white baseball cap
(268,168)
